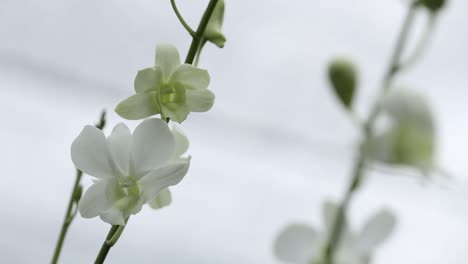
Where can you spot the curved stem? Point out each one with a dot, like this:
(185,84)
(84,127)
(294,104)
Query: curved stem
(197,38)
(73,203)
(421,46)
(359,165)
(181,19)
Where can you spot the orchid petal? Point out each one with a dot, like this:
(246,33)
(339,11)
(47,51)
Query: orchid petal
(153,145)
(190,77)
(297,244)
(95,200)
(199,100)
(376,230)
(163,199)
(90,154)
(138,106)
(119,142)
(156,180)
(167,57)
(148,79)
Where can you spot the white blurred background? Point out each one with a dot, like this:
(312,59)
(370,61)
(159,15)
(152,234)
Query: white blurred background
(275,145)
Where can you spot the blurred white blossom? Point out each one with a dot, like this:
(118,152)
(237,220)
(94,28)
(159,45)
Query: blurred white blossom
(303,244)
(409,139)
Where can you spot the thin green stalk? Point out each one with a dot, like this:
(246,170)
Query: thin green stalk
(200,31)
(422,45)
(199,51)
(67,219)
(115,231)
(106,246)
(359,165)
(72,204)
(181,19)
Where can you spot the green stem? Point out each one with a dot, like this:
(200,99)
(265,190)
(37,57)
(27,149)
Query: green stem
(199,51)
(394,66)
(181,19)
(198,37)
(73,203)
(106,246)
(422,44)
(359,165)
(67,219)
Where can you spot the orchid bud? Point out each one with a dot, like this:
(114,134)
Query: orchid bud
(213,29)
(77,193)
(343,77)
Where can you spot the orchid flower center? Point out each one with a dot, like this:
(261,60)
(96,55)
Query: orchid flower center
(171,96)
(127,192)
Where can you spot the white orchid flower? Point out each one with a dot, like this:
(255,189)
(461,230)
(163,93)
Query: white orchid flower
(302,244)
(410,138)
(130,170)
(169,88)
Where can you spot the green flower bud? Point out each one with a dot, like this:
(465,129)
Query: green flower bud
(432,5)
(213,29)
(77,193)
(343,77)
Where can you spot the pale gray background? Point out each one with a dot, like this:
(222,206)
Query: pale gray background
(272,148)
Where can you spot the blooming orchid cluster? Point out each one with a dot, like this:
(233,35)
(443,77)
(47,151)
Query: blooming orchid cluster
(131,170)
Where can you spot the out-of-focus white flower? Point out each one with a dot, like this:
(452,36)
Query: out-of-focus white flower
(409,140)
(302,244)
(130,169)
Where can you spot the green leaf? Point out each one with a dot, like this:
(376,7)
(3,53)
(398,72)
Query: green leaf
(343,78)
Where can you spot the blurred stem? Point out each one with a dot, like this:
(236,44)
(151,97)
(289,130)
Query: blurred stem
(72,203)
(422,44)
(181,19)
(359,165)
(198,37)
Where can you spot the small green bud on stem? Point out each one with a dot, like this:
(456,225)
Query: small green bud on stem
(77,193)
(343,77)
